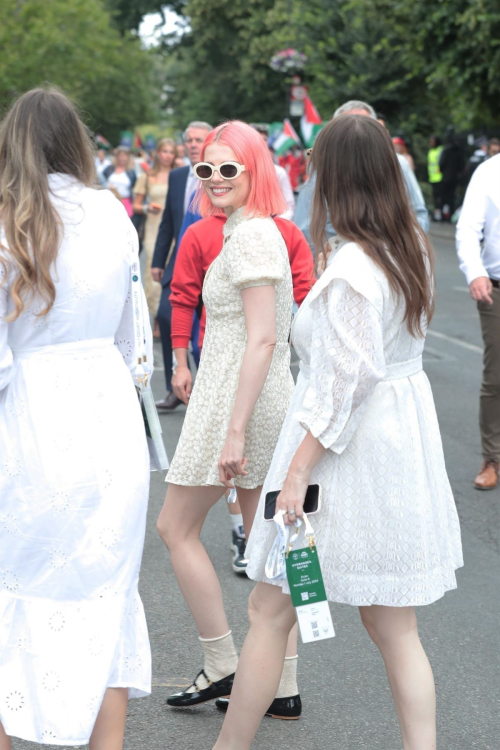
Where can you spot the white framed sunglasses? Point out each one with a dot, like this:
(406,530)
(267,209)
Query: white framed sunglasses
(229,170)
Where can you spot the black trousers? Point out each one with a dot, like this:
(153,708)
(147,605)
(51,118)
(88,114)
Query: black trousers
(448,195)
(164,316)
(437,195)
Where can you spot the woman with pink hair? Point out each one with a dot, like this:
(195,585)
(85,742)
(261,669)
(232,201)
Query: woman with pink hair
(241,394)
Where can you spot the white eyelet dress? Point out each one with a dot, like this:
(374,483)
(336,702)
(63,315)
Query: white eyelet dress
(74,484)
(254,254)
(388,531)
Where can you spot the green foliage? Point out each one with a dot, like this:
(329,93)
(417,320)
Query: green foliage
(218,70)
(73,44)
(424,64)
(128,14)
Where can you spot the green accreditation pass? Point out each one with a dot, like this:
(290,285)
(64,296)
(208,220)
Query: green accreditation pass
(308,594)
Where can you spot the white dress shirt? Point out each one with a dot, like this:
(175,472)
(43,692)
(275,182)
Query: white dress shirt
(191,185)
(480,222)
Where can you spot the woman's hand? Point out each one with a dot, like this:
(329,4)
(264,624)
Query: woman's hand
(292,496)
(232,461)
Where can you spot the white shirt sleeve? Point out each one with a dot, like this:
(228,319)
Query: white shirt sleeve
(470,228)
(286,187)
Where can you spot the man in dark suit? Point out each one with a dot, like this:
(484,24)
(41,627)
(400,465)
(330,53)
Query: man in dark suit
(181,184)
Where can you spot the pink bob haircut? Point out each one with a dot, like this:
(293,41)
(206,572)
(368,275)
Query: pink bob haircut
(265,197)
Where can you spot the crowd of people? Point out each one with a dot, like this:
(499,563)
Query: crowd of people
(228,260)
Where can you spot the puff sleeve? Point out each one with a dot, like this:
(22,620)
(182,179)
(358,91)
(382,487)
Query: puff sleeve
(347,362)
(256,257)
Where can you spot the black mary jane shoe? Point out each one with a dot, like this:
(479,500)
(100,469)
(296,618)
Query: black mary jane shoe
(281,708)
(221,688)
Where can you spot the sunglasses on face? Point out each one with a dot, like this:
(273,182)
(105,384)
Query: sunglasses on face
(229,170)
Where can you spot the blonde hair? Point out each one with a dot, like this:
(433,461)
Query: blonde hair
(156,163)
(41,135)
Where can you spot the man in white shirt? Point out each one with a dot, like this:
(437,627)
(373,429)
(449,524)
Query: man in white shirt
(478,247)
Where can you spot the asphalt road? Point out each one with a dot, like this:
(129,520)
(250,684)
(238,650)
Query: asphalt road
(347,704)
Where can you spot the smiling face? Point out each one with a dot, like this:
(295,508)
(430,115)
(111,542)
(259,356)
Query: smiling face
(228,195)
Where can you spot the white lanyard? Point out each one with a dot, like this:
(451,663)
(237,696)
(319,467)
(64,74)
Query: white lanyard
(275,564)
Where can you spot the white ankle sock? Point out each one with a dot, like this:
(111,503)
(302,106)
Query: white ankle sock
(221,659)
(288,683)
(237,521)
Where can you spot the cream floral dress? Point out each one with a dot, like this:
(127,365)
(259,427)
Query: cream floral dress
(254,254)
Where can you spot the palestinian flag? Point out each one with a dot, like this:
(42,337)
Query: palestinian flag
(286,139)
(102,142)
(310,123)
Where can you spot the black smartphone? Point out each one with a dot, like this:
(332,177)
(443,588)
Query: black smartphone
(312,502)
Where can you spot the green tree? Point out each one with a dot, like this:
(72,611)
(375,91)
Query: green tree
(73,44)
(424,64)
(212,72)
(128,14)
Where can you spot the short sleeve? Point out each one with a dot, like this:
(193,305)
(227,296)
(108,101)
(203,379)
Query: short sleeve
(347,362)
(141,186)
(255,257)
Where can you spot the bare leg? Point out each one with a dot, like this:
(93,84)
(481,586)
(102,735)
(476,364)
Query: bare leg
(4,740)
(109,728)
(249,503)
(179,524)
(259,670)
(394,631)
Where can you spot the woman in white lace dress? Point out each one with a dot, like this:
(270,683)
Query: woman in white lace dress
(74,464)
(362,424)
(243,386)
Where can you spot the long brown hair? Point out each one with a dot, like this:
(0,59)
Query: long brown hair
(360,184)
(156,162)
(42,134)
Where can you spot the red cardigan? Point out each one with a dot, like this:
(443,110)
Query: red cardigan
(200,245)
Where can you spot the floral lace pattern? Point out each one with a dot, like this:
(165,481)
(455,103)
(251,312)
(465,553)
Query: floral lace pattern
(388,530)
(74,483)
(254,254)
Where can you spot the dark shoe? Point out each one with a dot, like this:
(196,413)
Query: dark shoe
(169,403)
(487,479)
(238,548)
(219,689)
(281,708)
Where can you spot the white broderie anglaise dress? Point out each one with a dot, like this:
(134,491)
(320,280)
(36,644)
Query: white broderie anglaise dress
(254,254)
(74,484)
(388,531)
